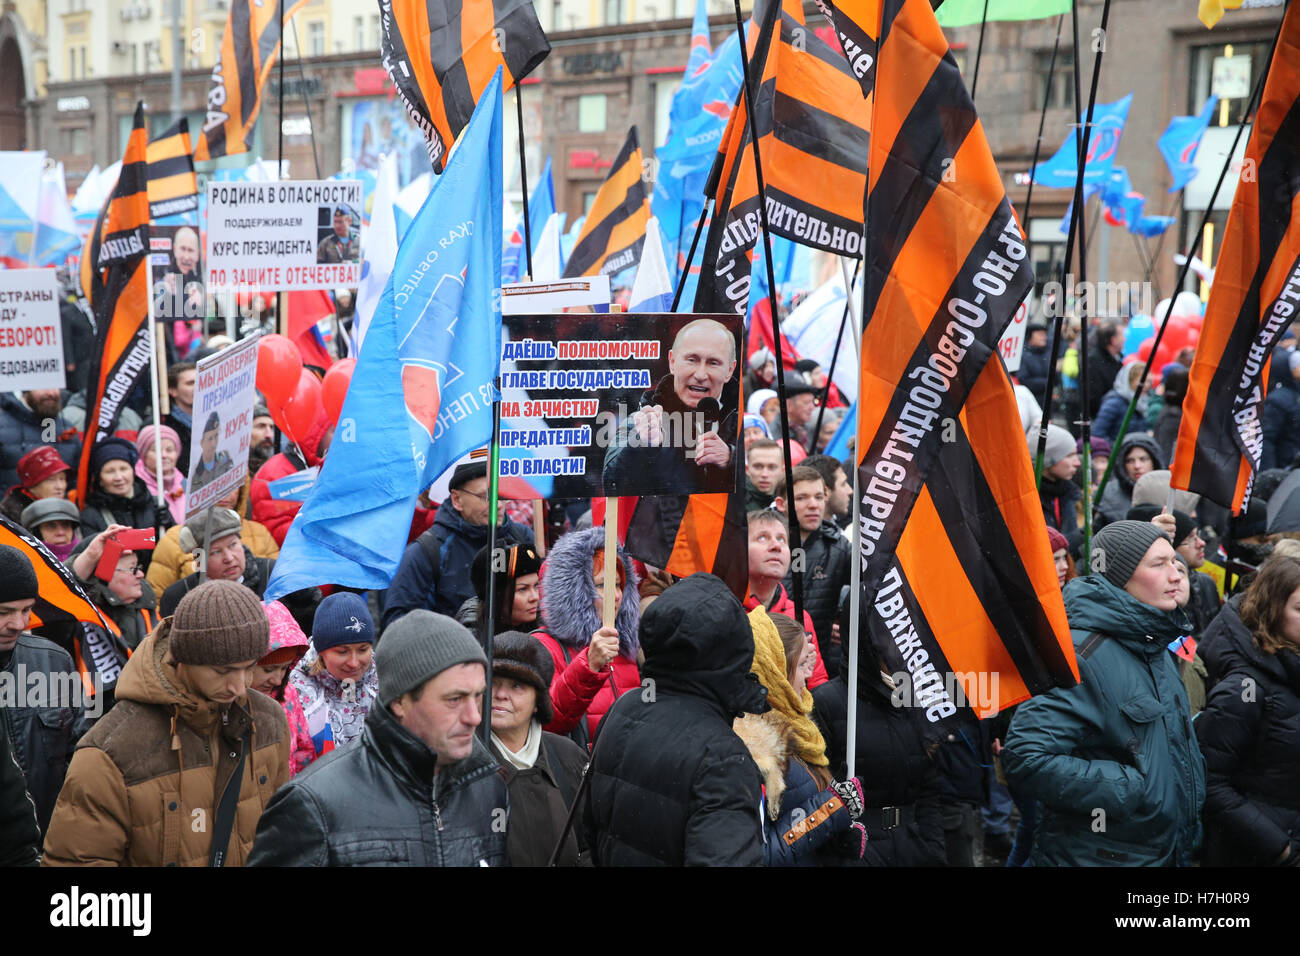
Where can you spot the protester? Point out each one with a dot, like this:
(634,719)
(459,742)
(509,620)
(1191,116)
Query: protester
(20,836)
(763,466)
(278,515)
(122,596)
(1074,749)
(830,420)
(1280,419)
(839,484)
(270,676)
(420,788)
(900,781)
(434,572)
(42,474)
(805,808)
(117,496)
(57,522)
(171,562)
(697,802)
(29,421)
(543,771)
(764,403)
(183,722)
(518,596)
(1249,730)
(800,406)
(826,553)
(761,372)
(1104,363)
(1057,492)
(180,418)
(1173,388)
(1205,602)
(43,731)
(1137,454)
(173,478)
(1061,556)
(1035,362)
(752,428)
(769,563)
(1100,450)
(1114,405)
(594,664)
(228,558)
(337,681)
(261,441)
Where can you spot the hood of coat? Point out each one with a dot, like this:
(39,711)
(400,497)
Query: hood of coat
(1094,604)
(697,640)
(285,635)
(1140,440)
(569,593)
(151,677)
(310,446)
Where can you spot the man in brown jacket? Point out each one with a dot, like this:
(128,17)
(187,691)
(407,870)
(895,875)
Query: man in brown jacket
(179,771)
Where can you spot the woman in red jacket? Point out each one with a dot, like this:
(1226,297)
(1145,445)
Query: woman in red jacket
(594,665)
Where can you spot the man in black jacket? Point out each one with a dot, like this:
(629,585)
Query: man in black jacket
(420,789)
(671,783)
(826,554)
(1104,363)
(1035,361)
(20,837)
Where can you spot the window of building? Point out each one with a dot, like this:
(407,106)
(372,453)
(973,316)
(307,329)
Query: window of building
(1230,71)
(76,140)
(1060,95)
(588,200)
(613,11)
(1046,250)
(557,15)
(376,31)
(664,92)
(359,32)
(591,113)
(316,38)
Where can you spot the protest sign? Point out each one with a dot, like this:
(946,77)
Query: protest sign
(176,272)
(31,340)
(1012,344)
(590,294)
(622,404)
(224,394)
(290,236)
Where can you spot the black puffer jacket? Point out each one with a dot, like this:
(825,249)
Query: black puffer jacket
(1218,637)
(1249,733)
(671,783)
(379,803)
(20,837)
(43,737)
(892,761)
(826,569)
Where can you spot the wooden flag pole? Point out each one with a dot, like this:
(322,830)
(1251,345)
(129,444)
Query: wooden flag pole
(607,612)
(539,526)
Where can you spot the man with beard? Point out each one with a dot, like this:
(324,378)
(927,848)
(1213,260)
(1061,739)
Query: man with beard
(34,419)
(672,444)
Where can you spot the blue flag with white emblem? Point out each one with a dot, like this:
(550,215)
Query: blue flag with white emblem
(1179,141)
(421,396)
(1107,128)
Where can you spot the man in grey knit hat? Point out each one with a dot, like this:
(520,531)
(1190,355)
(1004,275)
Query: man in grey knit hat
(419,788)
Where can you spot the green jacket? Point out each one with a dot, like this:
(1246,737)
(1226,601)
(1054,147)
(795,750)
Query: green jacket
(1113,761)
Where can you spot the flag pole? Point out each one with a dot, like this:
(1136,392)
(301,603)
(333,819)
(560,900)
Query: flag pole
(155,362)
(979,51)
(306,105)
(282,323)
(1187,261)
(489,619)
(855,566)
(793,520)
(523,177)
(835,354)
(686,267)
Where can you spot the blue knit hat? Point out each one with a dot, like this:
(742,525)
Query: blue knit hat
(112,449)
(342,618)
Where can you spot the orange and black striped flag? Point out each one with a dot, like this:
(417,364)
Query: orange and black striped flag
(441,55)
(119,297)
(249,48)
(614,231)
(683,534)
(1254,299)
(956,567)
(812,133)
(173,186)
(59,597)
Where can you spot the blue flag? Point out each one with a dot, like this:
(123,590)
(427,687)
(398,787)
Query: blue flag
(541,204)
(839,443)
(1108,126)
(1179,141)
(1089,190)
(421,396)
(1149,226)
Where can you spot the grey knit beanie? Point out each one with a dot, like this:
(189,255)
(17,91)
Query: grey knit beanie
(217,624)
(420,645)
(1119,548)
(1060,444)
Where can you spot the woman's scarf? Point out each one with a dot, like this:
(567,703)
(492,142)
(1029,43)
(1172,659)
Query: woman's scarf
(770,668)
(173,487)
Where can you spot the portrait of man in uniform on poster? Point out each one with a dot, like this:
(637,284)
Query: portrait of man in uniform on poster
(212,464)
(683,437)
(342,244)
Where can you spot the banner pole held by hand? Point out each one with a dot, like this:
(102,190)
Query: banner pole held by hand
(611,556)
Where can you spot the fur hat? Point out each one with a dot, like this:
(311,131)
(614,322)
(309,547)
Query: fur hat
(569,593)
(522,657)
(760,358)
(520,559)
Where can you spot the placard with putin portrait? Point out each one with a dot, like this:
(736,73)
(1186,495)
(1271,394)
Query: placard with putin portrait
(176,271)
(623,403)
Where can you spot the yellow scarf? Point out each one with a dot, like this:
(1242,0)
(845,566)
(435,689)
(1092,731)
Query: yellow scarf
(770,667)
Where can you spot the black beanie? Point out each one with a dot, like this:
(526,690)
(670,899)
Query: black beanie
(17,576)
(1119,548)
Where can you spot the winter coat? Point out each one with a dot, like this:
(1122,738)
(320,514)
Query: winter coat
(1280,421)
(827,556)
(900,782)
(1060,501)
(671,783)
(801,818)
(1249,732)
(135,620)
(138,511)
(257,572)
(336,714)
(380,803)
(1204,602)
(170,563)
(285,633)
(1034,364)
(1165,430)
(1114,405)
(782,603)
(142,773)
(569,618)
(1102,369)
(20,837)
(1218,636)
(21,431)
(43,737)
(278,515)
(13,503)
(540,798)
(755,500)
(633,468)
(1118,496)
(1118,747)
(444,585)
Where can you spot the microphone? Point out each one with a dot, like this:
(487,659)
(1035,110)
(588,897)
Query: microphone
(711,409)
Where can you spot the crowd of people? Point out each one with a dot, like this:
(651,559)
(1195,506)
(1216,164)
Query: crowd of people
(693,726)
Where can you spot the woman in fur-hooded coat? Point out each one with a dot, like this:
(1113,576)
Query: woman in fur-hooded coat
(570,616)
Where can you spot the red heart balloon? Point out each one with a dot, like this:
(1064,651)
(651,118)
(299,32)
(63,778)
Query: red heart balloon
(334,387)
(279,366)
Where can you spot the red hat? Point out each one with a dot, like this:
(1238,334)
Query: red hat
(1056,539)
(38,464)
